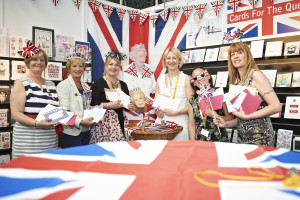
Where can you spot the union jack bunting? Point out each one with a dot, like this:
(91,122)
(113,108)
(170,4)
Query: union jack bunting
(143,18)
(153,19)
(132,71)
(133,14)
(77,3)
(253,2)
(200,9)
(29,51)
(171,124)
(55,2)
(108,10)
(94,4)
(174,11)
(217,5)
(187,11)
(147,72)
(164,14)
(121,13)
(234,4)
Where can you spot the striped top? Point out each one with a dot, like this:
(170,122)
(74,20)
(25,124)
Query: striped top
(29,140)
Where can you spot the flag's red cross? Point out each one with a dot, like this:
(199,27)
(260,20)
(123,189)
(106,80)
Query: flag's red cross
(174,12)
(187,11)
(132,71)
(217,5)
(108,10)
(234,4)
(200,9)
(121,13)
(147,72)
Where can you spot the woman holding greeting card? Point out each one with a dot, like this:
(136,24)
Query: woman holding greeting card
(28,97)
(112,127)
(255,128)
(74,95)
(176,85)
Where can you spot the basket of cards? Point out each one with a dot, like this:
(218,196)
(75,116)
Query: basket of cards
(150,131)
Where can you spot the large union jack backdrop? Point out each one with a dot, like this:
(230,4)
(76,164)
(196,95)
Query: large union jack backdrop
(105,34)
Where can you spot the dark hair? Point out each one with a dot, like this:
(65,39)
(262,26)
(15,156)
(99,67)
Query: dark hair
(196,88)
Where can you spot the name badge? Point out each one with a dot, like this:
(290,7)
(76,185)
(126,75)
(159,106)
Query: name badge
(205,132)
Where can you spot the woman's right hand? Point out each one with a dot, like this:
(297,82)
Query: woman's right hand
(116,104)
(160,114)
(219,121)
(45,124)
(87,122)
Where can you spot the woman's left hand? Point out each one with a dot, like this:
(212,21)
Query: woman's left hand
(241,114)
(170,112)
(209,112)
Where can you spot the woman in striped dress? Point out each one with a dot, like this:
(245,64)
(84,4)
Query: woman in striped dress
(29,95)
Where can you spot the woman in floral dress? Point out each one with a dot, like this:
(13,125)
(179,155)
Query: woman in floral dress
(112,127)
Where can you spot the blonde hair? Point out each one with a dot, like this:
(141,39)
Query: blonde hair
(107,61)
(176,52)
(40,53)
(75,60)
(249,62)
(135,91)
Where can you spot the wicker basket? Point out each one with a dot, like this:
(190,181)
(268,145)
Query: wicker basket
(142,134)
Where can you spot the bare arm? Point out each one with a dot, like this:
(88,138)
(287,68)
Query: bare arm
(17,106)
(191,123)
(263,86)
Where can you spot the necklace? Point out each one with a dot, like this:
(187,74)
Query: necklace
(114,84)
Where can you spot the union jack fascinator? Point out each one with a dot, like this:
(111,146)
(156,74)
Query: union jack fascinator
(29,51)
(116,55)
(76,55)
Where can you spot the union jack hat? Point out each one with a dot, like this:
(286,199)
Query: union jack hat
(29,51)
(76,55)
(116,55)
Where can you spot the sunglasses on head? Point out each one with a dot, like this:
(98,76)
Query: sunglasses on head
(199,76)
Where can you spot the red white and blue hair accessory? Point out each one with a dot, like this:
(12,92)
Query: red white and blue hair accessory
(29,51)
(116,55)
(76,55)
(199,76)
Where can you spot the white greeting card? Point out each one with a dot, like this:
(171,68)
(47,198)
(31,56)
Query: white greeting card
(4,94)
(257,48)
(284,139)
(292,48)
(211,54)
(95,112)
(292,107)
(223,55)
(53,71)
(271,75)
(4,140)
(274,49)
(198,55)
(222,78)
(64,46)
(87,75)
(16,44)
(83,48)
(3,117)
(4,41)
(4,69)
(165,103)
(18,70)
(186,56)
(296,79)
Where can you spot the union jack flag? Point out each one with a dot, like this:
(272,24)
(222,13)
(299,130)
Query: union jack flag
(187,11)
(132,71)
(153,19)
(108,10)
(174,11)
(133,14)
(234,4)
(217,5)
(55,2)
(94,4)
(143,18)
(147,72)
(199,8)
(121,12)
(164,14)
(77,3)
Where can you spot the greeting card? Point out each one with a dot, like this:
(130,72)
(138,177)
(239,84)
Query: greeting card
(87,75)
(4,69)
(274,49)
(292,107)
(271,75)
(284,139)
(211,54)
(296,79)
(19,70)
(223,55)
(4,94)
(257,48)
(222,78)
(186,56)
(198,55)
(292,48)
(4,41)
(284,79)
(53,71)
(4,140)
(3,117)
(83,48)
(64,46)
(16,44)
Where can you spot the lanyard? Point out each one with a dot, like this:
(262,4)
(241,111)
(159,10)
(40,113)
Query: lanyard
(175,85)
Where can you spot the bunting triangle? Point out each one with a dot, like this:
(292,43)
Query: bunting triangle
(164,14)
(108,10)
(55,2)
(187,11)
(77,3)
(217,5)
(234,4)
(133,14)
(121,13)
(94,4)
(200,9)
(153,19)
(143,18)
(174,12)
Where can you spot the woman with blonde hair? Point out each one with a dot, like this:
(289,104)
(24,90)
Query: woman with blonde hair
(255,128)
(176,85)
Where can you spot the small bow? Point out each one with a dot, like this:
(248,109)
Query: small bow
(29,51)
